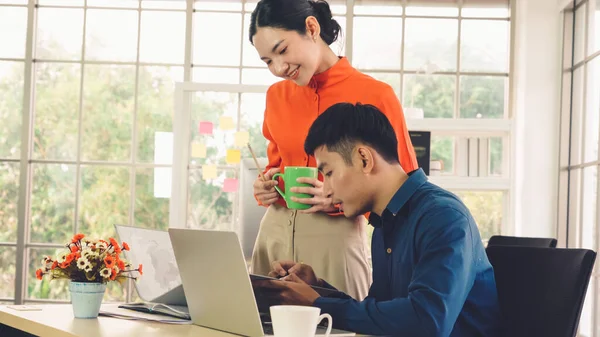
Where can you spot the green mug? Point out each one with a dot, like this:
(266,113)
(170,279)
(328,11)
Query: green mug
(290,176)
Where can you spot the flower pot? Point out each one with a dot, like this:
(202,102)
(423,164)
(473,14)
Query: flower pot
(86,298)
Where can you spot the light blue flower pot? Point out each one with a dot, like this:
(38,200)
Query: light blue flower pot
(86,298)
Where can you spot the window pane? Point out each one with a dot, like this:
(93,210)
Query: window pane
(486,208)
(258,76)
(486,12)
(9,197)
(432,10)
(45,289)
(222,45)
(104,200)
(484,46)
(56,110)
(108,103)
(216,75)
(152,194)
(113,3)
(209,206)
(215,5)
(496,148)
(253,111)
(393,79)
(576,127)
(11,96)
(442,151)
(164,4)
(432,93)
(594,27)
(111,35)
(482,97)
(589,199)
(430,44)
(366,7)
(210,107)
(339,46)
(162,37)
(567,45)
(63,3)
(592,111)
(59,33)
(250,57)
(155,107)
(13,26)
(52,203)
(585,323)
(8,259)
(377,43)
(13,2)
(580,31)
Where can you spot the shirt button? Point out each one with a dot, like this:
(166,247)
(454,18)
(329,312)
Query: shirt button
(389,250)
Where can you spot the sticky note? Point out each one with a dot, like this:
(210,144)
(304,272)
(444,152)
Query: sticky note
(209,172)
(233,156)
(205,128)
(198,150)
(230,185)
(226,123)
(241,138)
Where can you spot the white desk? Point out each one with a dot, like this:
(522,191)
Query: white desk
(57,320)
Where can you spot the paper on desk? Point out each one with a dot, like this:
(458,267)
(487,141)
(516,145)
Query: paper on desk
(116,312)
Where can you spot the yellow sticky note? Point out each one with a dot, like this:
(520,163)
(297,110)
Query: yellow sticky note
(241,138)
(209,172)
(233,156)
(198,150)
(226,123)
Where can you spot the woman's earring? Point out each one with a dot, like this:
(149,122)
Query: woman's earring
(315,38)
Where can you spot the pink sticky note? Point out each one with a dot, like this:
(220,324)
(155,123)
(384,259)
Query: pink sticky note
(205,128)
(230,185)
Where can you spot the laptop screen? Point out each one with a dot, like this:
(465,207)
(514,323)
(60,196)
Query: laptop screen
(153,249)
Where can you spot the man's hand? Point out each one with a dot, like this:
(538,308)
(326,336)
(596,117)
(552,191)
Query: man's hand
(320,202)
(292,291)
(303,271)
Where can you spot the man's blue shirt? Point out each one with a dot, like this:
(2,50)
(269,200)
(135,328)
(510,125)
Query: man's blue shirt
(431,275)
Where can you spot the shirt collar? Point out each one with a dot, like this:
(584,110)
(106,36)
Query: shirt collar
(341,70)
(415,180)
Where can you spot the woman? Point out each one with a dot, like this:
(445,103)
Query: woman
(292,37)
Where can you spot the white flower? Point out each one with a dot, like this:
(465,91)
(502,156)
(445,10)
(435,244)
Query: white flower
(105,272)
(88,253)
(89,268)
(63,257)
(101,245)
(82,263)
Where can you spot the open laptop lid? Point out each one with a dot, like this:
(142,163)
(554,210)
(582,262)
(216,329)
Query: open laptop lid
(161,282)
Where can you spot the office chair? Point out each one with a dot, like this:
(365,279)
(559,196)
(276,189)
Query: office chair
(541,290)
(500,240)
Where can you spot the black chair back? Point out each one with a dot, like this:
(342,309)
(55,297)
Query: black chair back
(541,290)
(500,240)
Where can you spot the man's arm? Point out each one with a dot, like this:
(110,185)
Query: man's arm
(441,281)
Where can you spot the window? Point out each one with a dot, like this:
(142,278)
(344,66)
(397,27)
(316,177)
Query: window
(86,112)
(580,127)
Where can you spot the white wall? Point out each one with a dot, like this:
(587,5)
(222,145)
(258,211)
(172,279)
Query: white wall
(536,88)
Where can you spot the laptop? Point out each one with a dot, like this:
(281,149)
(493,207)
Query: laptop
(161,282)
(217,283)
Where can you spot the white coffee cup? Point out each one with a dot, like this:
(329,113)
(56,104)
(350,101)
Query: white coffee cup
(297,321)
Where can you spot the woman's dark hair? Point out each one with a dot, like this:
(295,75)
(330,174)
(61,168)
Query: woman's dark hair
(292,14)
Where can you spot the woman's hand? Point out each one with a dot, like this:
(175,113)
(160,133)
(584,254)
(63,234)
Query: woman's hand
(265,190)
(320,202)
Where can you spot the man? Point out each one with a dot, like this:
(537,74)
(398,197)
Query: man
(431,276)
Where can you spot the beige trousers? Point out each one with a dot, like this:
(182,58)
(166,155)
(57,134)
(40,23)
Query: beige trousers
(334,246)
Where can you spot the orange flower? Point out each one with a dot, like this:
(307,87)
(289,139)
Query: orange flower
(74,248)
(64,265)
(54,265)
(140,269)
(70,258)
(77,237)
(125,246)
(120,264)
(115,245)
(39,273)
(113,274)
(109,261)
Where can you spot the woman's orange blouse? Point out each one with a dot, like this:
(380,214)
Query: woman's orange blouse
(291,109)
